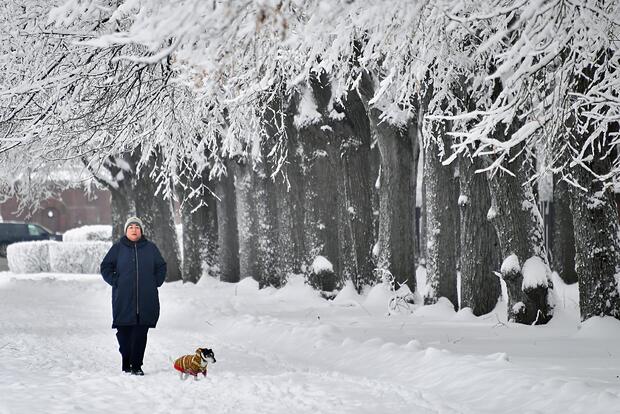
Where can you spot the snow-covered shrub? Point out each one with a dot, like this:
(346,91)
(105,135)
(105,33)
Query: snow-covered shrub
(321,274)
(99,232)
(29,257)
(77,257)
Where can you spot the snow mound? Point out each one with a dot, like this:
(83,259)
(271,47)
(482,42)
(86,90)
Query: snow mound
(247,285)
(296,289)
(379,296)
(465,314)
(443,309)
(348,296)
(88,233)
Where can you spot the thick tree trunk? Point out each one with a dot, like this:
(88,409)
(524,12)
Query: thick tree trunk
(563,247)
(227,234)
(321,205)
(293,200)
(122,201)
(247,219)
(339,219)
(122,206)
(356,229)
(199,219)
(276,221)
(259,245)
(519,228)
(595,215)
(156,214)
(597,242)
(265,201)
(441,218)
(423,227)
(396,193)
(480,252)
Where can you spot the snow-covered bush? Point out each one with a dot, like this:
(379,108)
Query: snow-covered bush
(77,257)
(321,274)
(58,257)
(29,257)
(100,232)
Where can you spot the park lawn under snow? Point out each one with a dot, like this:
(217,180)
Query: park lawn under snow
(289,351)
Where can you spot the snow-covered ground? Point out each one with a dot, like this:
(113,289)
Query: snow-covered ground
(289,351)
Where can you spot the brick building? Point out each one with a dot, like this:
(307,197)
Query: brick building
(74,208)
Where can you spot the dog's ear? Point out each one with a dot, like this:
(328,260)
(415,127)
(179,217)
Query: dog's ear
(199,351)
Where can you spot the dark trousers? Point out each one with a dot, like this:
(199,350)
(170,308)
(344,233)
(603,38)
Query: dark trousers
(131,344)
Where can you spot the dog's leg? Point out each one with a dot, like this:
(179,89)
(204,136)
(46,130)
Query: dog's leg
(196,377)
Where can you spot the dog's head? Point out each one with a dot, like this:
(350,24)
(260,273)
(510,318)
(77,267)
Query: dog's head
(206,355)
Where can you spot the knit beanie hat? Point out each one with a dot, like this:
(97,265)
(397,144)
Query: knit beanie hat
(136,221)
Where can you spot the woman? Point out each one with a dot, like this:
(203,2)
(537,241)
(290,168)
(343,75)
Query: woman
(135,269)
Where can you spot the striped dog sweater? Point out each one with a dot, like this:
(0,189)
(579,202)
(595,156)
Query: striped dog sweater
(191,364)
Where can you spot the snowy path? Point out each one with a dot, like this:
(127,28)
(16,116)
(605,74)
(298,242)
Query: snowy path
(288,351)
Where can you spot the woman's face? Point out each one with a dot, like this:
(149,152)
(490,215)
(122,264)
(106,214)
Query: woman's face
(134,232)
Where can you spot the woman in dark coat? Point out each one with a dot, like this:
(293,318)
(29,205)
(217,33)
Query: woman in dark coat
(135,269)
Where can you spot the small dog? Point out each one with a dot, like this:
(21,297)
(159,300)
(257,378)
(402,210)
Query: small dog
(194,364)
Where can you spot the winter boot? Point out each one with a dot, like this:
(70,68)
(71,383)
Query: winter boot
(126,365)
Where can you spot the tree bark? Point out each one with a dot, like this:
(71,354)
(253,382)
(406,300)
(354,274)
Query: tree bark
(156,214)
(339,223)
(441,218)
(595,215)
(122,201)
(480,252)
(199,219)
(227,234)
(519,228)
(396,193)
(321,203)
(597,243)
(122,206)
(563,246)
(247,219)
(357,186)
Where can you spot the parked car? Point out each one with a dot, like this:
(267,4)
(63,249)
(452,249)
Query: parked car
(12,231)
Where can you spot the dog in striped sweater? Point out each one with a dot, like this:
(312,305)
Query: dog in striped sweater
(194,364)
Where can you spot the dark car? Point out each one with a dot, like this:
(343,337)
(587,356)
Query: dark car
(11,232)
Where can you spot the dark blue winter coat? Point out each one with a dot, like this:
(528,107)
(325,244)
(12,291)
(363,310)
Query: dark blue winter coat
(135,271)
